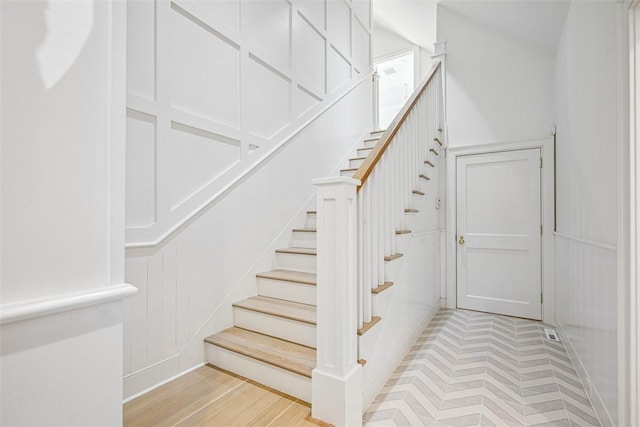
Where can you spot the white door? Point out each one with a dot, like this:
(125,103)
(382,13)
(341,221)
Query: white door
(499,233)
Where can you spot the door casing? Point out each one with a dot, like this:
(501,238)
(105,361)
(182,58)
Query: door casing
(546,146)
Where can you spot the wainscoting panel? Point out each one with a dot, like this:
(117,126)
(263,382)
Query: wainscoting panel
(227,81)
(586,289)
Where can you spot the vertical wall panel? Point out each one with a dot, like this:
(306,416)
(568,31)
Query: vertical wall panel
(267,100)
(361,46)
(204,71)
(339,70)
(339,25)
(141,169)
(197,157)
(308,54)
(266,25)
(141,52)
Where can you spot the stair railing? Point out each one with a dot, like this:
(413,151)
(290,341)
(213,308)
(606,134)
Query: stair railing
(388,177)
(357,222)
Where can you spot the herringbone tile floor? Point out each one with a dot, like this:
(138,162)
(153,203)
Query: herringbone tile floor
(469,369)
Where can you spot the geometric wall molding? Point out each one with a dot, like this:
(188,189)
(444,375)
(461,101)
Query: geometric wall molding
(214,86)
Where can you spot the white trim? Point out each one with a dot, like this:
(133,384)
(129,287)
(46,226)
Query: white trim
(601,245)
(153,387)
(427,233)
(274,149)
(632,318)
(30,309)
(545,144)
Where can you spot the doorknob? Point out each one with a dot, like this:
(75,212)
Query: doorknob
(461,240)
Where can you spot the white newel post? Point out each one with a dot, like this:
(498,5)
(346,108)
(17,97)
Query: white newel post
(337,379)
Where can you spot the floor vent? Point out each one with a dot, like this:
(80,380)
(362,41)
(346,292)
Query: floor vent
(551,334)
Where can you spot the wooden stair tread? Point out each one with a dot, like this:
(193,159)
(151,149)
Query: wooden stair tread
(277,307)
(283,354)
(304,230)
(394,256)
(297,251)
(358,158)
(312,212)
(349,170)
(411,210)
(425,177)
(428,162)
(289,276)
(419,193)
(403,231)
(381,288)
(369,325)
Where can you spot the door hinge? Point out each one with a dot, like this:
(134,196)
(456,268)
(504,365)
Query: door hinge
(540,162)
(541,297)
(541,230)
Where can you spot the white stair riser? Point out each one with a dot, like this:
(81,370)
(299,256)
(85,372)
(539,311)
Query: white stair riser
(296,262)
(363,152)
(290,291)
(347,173)
(303,239)
(311,221)
(272,376)
(355,163)
(370,144)
(279,327)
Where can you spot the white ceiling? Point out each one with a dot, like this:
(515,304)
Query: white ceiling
(537,22)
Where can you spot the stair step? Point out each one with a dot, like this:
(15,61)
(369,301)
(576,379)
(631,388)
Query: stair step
(298,251)
(356,162)
(428,163)
(304,313)
(287,320)
(381,288)
(297,259)
(310,220)
(364,152)
(369,325)
(411,210)
(304,237)
(434,152)
(294,286)
(394,256)
(348,172)
(279,364)
(370,142)
(378,132)
(289,276)
(403,232)
(417,192)
(425,177)
(437,141)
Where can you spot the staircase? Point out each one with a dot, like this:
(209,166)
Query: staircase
(275,334)
(273,339)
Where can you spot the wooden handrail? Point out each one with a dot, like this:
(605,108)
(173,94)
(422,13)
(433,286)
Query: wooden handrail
(374,157)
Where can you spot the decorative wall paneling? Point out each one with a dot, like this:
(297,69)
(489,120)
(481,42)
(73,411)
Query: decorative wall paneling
(586,273)
(213,88)
(187,284)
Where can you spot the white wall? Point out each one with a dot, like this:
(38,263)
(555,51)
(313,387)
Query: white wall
(587,199)
(187,285)
(213,87)
(499,87)
(62,212)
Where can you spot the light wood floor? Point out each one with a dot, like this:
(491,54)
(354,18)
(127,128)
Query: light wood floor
(209,396)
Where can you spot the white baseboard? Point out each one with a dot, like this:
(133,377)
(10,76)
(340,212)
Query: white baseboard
(132,378)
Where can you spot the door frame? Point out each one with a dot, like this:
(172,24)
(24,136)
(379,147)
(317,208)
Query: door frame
(547,189)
